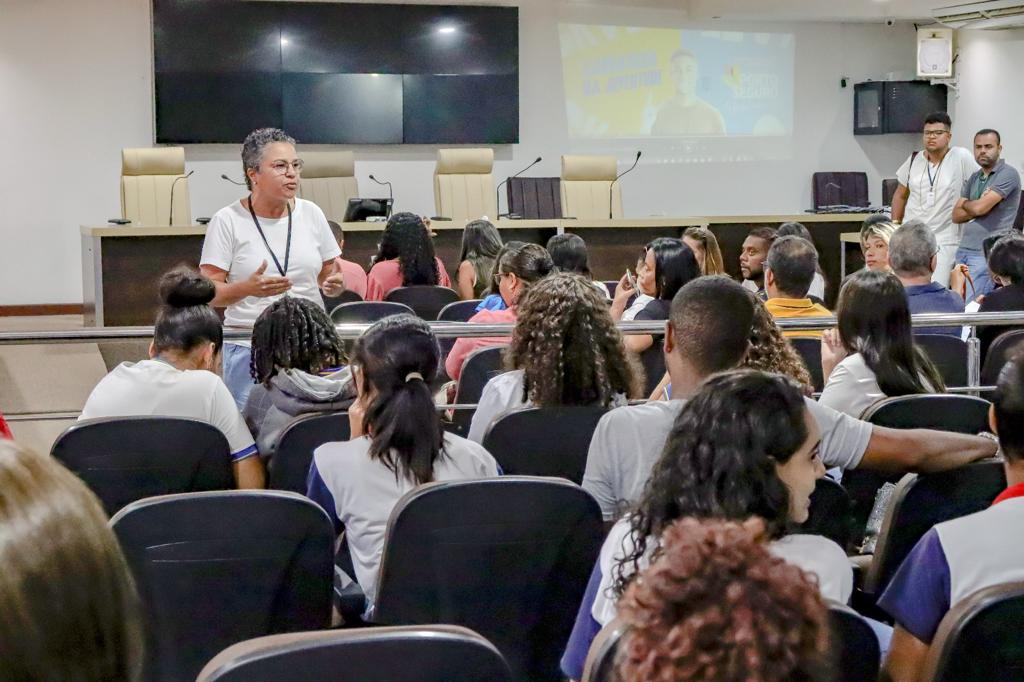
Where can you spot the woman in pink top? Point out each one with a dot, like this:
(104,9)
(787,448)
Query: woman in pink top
(405,258)
(353,273)
(519,266)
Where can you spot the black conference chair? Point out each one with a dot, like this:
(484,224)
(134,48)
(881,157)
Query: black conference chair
(949,354)
(943,412)
(809,348)
(332,302)
(1001,350)
(979,639)
(831,513)
(653,361)
(458,311)
(600,664)
(479,367)
(512,563)
(426,301)
(123,459)
(853,646)
(921,501)
(544,441)
(366,312)
(611,286)
(217,568)
(424,653)
(290,465)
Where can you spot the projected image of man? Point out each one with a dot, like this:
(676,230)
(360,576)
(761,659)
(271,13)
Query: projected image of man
(685,113)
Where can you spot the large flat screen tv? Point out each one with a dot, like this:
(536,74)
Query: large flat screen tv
(335,73)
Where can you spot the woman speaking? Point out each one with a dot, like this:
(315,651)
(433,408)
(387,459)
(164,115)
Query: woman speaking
(266,245)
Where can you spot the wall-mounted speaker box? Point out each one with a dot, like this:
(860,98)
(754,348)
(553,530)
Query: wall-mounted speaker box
(934,53)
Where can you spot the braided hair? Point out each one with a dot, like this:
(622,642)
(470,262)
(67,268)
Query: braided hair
(293,333)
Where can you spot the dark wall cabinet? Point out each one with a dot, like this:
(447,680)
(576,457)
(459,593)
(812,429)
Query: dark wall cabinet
(895,106)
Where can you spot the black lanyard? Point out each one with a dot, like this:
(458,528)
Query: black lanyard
(938,168)
(288,244)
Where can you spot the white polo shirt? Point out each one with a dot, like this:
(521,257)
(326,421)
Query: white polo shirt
(935,189)
(156,388)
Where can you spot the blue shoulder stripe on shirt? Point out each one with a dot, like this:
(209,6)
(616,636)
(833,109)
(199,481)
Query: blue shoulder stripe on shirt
(242,454)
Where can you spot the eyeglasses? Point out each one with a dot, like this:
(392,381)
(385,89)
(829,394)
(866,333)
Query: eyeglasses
(935,133)
(281,167)
(497,277)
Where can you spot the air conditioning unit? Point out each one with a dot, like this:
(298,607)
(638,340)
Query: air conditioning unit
(993,15)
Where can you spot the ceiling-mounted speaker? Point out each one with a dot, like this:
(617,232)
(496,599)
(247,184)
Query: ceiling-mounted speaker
(934,53)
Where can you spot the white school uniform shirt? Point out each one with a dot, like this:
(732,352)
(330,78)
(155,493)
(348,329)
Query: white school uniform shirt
(234,244)
(853,387)
(933,203)
(157,388)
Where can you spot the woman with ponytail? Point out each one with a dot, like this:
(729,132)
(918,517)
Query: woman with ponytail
(397,441)
(179,379)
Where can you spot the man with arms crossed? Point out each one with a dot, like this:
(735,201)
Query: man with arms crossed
(930,184)
(988,204)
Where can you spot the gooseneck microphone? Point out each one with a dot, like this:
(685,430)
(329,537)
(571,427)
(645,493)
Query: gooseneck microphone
(612,186)
(233,182)
(170,217)
(497,192)
(391,194)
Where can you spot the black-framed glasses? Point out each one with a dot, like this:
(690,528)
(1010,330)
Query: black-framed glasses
(498,276)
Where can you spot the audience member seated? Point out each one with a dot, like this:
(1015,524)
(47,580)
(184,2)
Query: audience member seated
(70,610)
(569,254)
(668,265)
(749,429)
(1006,266)
(481,244)
(871,354)
(708,332)
(752,258)
(565,350)
(704,245)
(405,258)
(874,242)
(793,229)
(353,273)
(519,266)
(962,556)
(297,361)
(179,379)
(397,442)
(913,257)
(718,604)
(788,273)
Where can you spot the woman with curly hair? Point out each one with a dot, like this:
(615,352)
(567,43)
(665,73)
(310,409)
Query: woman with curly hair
(565,350)
(744,445)
(718,604)
(405,258)
(704,245)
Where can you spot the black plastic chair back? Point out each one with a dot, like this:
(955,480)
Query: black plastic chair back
(216,568)
(653,361)
(290,465)
(830,514)
(853,646)
(508,557)
(942,412)
(809,349)
(600,663)
(479,367)
(949,354)
(123,459)
(425,653)
(544,441)
(367,312)
(347,296)
(921,501)
(979,639)
(458,311)
(1001,350)
(426,301)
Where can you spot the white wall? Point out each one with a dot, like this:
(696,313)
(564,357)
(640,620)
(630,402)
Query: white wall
(76,84)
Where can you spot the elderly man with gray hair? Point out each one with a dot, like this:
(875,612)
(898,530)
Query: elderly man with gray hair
(913,254)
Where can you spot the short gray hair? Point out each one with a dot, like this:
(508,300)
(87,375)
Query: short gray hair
(255,143)
(911,248)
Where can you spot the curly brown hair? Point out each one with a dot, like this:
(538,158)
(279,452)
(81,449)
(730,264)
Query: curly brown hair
(718,605)
(568,346)
(769,350)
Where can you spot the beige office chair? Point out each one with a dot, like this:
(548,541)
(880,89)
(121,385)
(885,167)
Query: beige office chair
(329,181)
(147,179)
(586,183)
(463,186)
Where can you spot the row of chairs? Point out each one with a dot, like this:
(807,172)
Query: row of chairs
(427,302)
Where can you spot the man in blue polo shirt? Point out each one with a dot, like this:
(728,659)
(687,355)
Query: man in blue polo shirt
(959,557)
(912,256)
(988,204)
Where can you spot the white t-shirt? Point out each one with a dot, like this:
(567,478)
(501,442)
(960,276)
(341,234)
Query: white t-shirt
(234,244)
(639,303)
(359,493)
(852,387)
(156,388)
(933,203)
(628,442)
(817,286)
